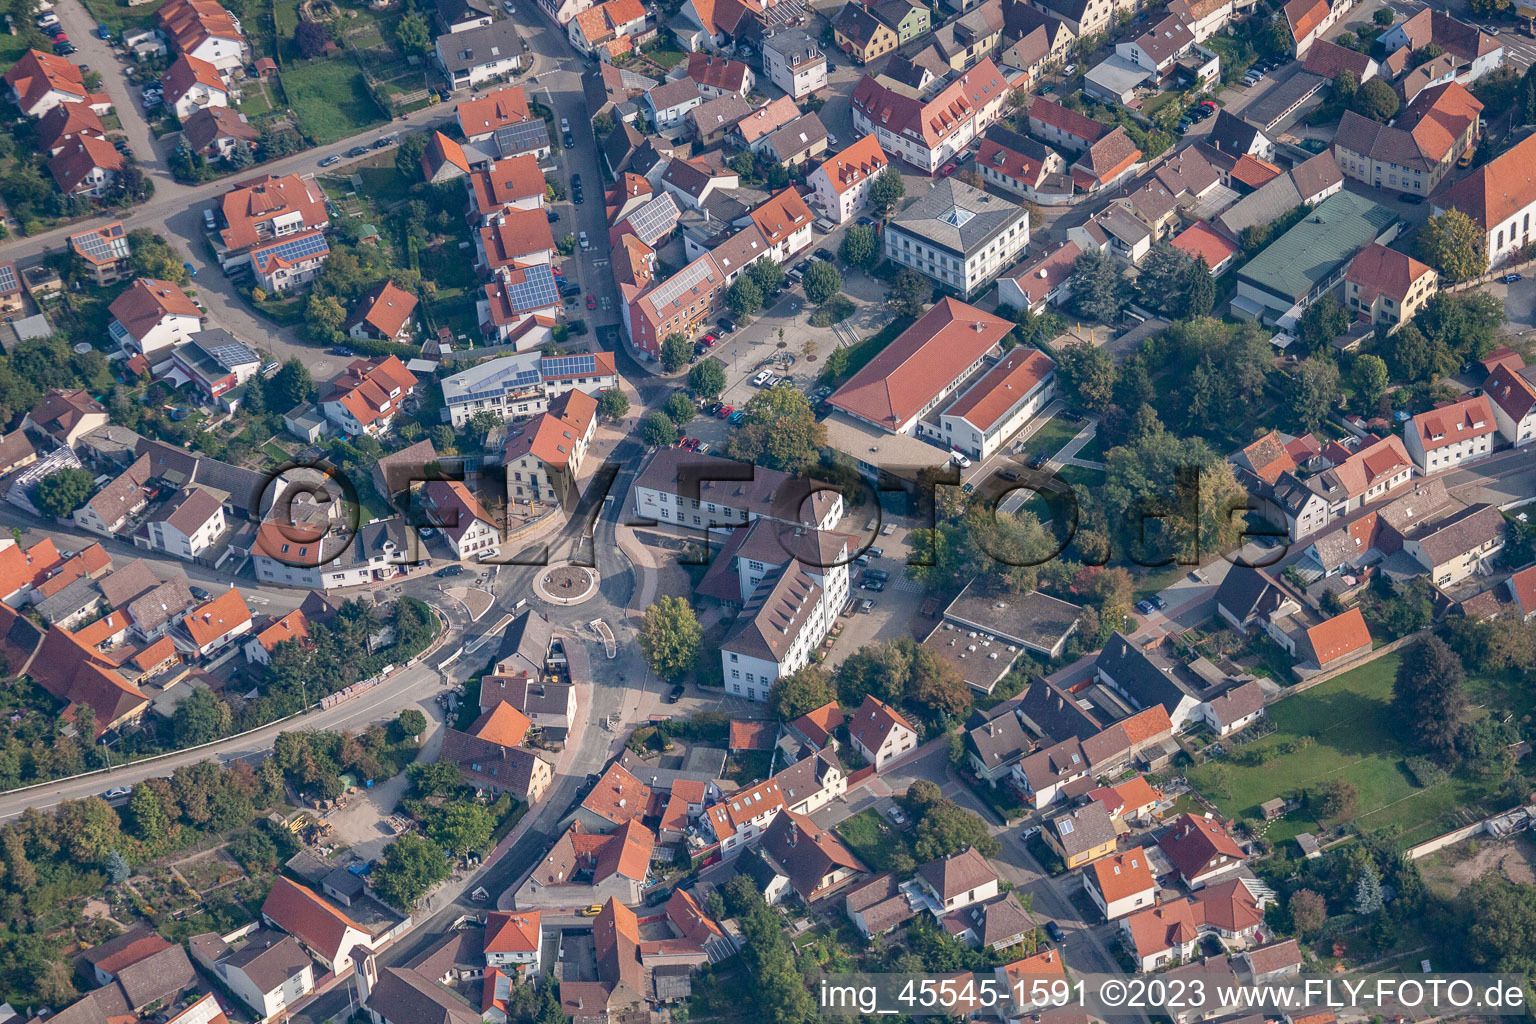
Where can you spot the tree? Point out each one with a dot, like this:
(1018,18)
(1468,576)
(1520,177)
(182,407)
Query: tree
(1163,276)
(1383,16)
(1199,289)
(412,723)
(779,430)
(1488,8)
(1323,321)
(860,247)
(767,275)
(153,257)
(1370,378)
(821,282)
(413,35)
(63,491)
(462,828)
(669,637)
(1086,375)
(117,868)
(680,408)
(1098,287)
(1367,898)
(1376,100)
(886,191)
(612,405)
(1454,245)
(910,293)
(707,378)
(201,718)
(313,37)
(323,315)
(948,828)
(1427,697)
(1314,390)
(799,692)
(1309,912)
(675,352)
(411,867)
(1335,801)
(146,815)
(744,297)
(293,384)
(658,430)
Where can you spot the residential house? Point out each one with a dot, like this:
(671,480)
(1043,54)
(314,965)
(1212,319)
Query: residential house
(1452,434)
(1308,20)
(1156,49)
(812,782)
(1459,545)
(514,238)
(1473,51)
(862,35)
(520,307)
(40,81)
(741,818)
(152,317)
(1378,467)
(443,160)
(1513,398)
(365,397)
(908,20)
(205,30)
(293,626)
(785,222)
(971,36)
(480,118)
(1332,643)
(86,166)
(1237,708)
(268,972)
(959,879)
(1121,884)
(65,122)
(678,305)
(108,510)
(927,133)
(105,252)
(1200,850)
(666,104)
(814,859)
(1204,17)
(65,416)
(998,923)
(794,62)
(719,76)
(709,122)
(1143,676)
(515,182)
(290,263)
(217,363)
(1232,911)
(815,727)
(189,526)
(842,183)
(328,934)
(210,627)
(523,385)
(1201,241)
(1106,163)
(879,733)
(495,767)
(996,406)
(462,15)
(401,995)
(545,459)
(267,209)
(217,133)
(479,55)
(462,519)
(1082,835)
(1043,281)
(383,313)
(1329,60)
(877,906)
(514,943)
(1019,164)
(1385,286)
(802,140)
(192,84)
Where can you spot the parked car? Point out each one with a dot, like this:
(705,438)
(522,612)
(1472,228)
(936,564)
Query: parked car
(735,418)
(725,412)
(1158,602)
(330,161)
(591,301)
(592,911)
(1144,606)
(867,605)
(585,245)
(450,570)
(865,222)
(676,693)
(894,813)
(1054,931)
(726,325)
(960,459)
(878,574)
(824,254)
(103,33)
(200,593)
(357,151)
(1512,278)
(875,585)
(876,551)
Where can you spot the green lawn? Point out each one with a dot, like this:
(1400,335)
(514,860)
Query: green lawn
(116,15)
(330,100)
(1051,436)
(1353,738)
(254,102)
(874,839)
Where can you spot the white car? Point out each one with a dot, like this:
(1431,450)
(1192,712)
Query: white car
(585,245)
(117,793)
(960,459)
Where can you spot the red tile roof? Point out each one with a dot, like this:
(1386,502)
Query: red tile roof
(386,308)
(516,235)
(1162,927)
(1522,586)
(818,725)
(1339,636)
(1304,16)
(855,164)
(506,181)
(1192,844)
(80,156)
(1458,421)
(781,216)
(249,207)
(38,73)
(618,796)
(1014,376)
(512,932)
(1070,121)
(304,914)
(1382,271)
(874,722)
(188,23)
(218,618)
(1253,172)
(503,725)
(1122,875)
(185,73)
(493,110)
(1498,190)
(1200,239)
(927,357)
(147,302)
(442,150)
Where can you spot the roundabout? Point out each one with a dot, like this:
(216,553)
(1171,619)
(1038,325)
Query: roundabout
(566,584)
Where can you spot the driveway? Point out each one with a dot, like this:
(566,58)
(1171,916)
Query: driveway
(100,57)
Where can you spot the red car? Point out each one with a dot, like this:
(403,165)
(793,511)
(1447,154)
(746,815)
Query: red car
(946,170)
(692,444)
(725,410)
(591,301)
(709,340)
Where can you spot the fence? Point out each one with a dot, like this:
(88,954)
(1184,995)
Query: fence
(1451,838)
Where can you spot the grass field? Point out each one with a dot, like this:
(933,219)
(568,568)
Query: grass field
(116,15)
(874,839)
(1353,739)
(1054,433)
(330,100)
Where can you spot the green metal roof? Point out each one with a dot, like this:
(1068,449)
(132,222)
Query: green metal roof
(1306,255)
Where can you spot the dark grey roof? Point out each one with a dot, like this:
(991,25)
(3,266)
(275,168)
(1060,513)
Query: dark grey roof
(806,852)
(181,467)
(1021,144)
(451,12)
(158,978)
(404,996)
(882,887)
(1084,828)
(1238,703)
(484,45)
(270,958)
(527,641)
(1054,713)
(528,694)
(957,218)
(1139,676)
(999,741)
(998,921)
(1047,767)
(528,136)
(1282,100)
(1231,134)
(1460,533)
(460,950)
(345,882)
(1246,592)
(807,775)
(856,23)
(796,137)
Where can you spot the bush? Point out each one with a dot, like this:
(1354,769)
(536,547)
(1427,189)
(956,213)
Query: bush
(1425,772)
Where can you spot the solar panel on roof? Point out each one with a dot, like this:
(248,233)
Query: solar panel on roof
(231,356)
(523,137)
(655,219)
(8,282)
(536,291)
(566,366)
(101,246)
(292,250)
